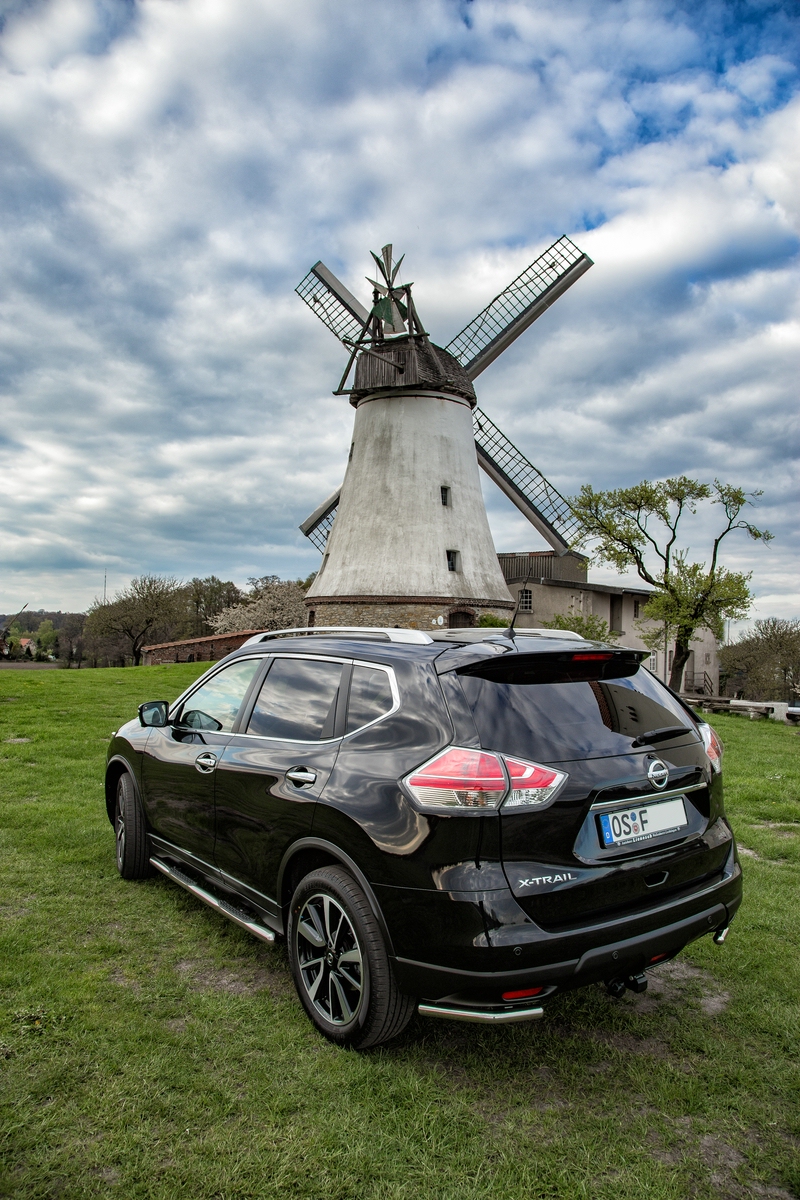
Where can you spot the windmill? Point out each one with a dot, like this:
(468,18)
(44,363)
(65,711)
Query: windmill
(406,535)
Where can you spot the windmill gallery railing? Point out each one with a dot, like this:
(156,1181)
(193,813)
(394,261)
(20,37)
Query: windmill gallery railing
(514,474)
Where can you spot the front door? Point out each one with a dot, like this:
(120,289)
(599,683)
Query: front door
(180,760)
(272,773)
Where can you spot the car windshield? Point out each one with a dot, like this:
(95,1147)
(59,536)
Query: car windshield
(534,714)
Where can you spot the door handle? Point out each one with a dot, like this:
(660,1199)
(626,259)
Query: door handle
(206,763)
(301,776)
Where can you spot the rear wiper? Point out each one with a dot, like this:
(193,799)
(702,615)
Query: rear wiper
(660,735)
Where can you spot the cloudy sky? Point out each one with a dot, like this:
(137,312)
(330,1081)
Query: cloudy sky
(171,168)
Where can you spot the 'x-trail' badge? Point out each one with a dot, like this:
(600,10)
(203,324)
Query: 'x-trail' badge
(658,773)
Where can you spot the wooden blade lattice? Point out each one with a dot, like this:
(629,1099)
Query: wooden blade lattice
(510,313)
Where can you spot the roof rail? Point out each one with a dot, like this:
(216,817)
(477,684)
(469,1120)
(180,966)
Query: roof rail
(370,632)
(489,633)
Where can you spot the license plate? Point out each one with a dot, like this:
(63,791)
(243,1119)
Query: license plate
(628,825)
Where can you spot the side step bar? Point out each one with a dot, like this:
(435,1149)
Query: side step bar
(233,914)
(473,1014)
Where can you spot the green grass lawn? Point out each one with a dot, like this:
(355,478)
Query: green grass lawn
(149,1048)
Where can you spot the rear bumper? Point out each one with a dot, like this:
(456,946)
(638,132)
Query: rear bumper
(561,962)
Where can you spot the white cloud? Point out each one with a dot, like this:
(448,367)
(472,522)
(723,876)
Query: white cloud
(171,171)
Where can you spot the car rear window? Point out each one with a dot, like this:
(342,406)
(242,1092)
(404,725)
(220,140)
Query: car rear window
(532,711)
(370,696)
(297,700)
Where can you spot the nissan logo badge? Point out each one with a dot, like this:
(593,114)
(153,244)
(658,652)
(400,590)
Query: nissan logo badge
(658,773)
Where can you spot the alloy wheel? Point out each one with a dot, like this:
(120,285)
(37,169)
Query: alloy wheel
(120,830)
(330,959)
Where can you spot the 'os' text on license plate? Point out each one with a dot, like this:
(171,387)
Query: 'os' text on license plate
(641,824)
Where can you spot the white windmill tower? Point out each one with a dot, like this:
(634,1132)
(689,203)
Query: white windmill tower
(405,539)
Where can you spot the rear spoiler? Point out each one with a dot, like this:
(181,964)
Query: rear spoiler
(594,660)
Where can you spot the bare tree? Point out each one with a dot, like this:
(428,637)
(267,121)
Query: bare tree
(765,663)
(149,607)
(206,599)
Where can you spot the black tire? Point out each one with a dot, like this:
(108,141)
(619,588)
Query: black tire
(133,852)
(339,963)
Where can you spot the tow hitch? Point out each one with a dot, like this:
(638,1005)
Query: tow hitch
(631,983)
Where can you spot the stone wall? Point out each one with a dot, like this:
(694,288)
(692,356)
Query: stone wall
(405,613)
(203,649)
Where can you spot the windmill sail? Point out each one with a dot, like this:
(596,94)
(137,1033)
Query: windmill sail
(517,478)
(510,313)
(318,525)
(335,306)
(524,484)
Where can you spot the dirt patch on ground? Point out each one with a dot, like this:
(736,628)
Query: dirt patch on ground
(674,982)
(719,1157)
(119,977)
(724,1160)
(780,829)
(628,1043)
(238,978)
(11,911)
(747,852)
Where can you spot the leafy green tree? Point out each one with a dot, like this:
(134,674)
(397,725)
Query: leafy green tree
(46,638)
(149,608)
(764,664)
(638,527)
(591,627)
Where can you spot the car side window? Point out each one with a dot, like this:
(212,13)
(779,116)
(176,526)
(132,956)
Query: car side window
(297,701)
(215,705)
(370,696)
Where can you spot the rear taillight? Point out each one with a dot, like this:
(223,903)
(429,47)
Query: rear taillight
(714,747)
(532,785)
(459,778)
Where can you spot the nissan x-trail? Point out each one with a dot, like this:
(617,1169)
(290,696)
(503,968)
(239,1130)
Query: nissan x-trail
(466,824)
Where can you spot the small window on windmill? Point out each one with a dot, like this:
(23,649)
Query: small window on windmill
(445,496)
(526,600)
(453,560)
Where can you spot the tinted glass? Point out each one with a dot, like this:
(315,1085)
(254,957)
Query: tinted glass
(216,704)
(370,697)
(297,700)
(551,722)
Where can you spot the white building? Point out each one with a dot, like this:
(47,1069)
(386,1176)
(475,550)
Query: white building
(553,585)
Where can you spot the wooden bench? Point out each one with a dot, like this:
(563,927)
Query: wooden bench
(722,704)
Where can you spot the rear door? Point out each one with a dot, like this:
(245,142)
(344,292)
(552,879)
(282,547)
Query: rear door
(637,788)
(272,773)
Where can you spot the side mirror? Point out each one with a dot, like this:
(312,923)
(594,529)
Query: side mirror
(154,714)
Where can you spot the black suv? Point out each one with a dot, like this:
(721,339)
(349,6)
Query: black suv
(465,823)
